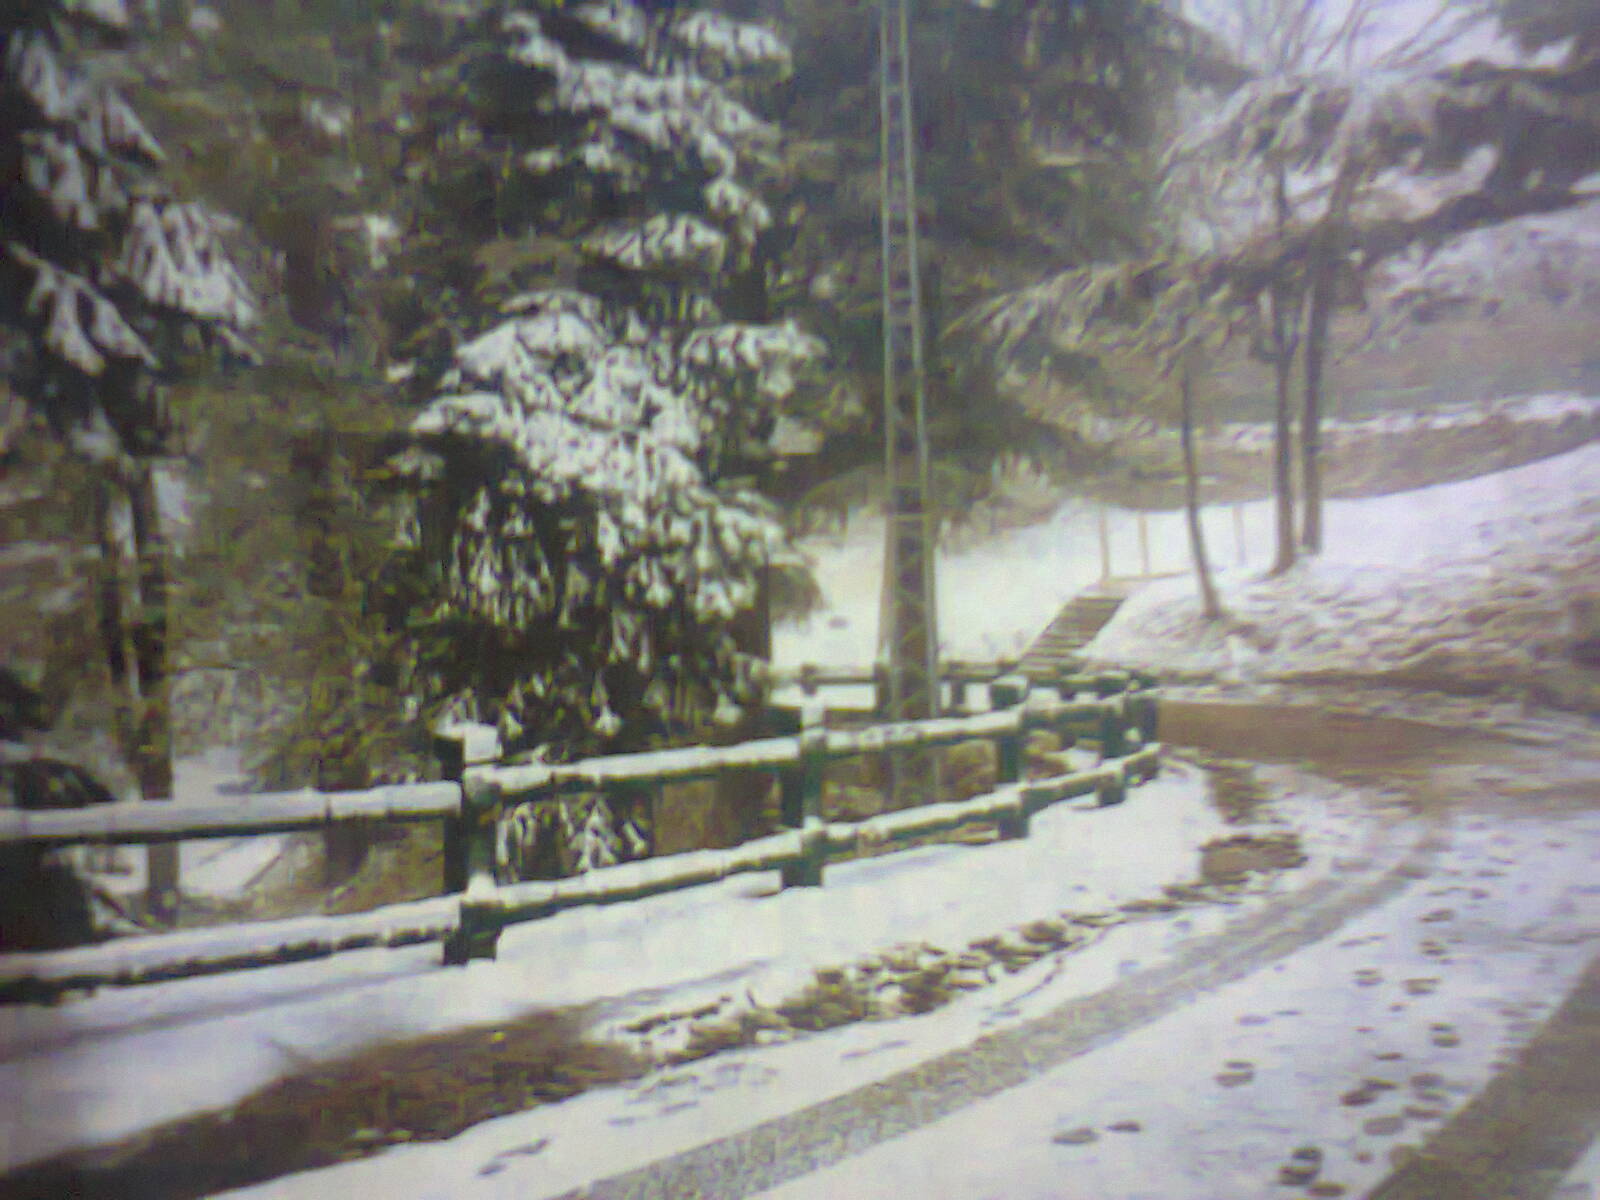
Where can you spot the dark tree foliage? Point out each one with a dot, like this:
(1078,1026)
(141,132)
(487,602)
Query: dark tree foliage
(1037,129)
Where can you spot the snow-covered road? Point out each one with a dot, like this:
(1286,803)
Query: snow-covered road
(1323,1032)
(1337,1018)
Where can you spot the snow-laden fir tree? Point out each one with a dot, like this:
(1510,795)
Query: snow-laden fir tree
(102,269)
(587,523)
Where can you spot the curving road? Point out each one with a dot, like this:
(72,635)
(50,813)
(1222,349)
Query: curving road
(1474,908)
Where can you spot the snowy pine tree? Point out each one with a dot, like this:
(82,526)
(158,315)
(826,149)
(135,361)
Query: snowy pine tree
(102,269)
(586,526)
(107,282)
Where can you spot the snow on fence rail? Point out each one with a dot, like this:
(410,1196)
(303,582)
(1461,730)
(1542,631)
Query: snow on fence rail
(1120,718)
(281,812)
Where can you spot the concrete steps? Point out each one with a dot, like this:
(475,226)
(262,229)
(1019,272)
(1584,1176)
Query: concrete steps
(1056,649)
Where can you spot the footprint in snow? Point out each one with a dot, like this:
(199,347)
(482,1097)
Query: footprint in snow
(1081,1136)
(1368,1091)
(498,1163)
(1236,1074)
(1383,1126)
(1304,1165)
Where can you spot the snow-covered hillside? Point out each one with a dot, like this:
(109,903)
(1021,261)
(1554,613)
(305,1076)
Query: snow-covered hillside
(1471,586)
(1484,585)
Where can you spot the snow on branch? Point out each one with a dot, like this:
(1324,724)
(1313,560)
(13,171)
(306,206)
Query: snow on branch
(31,61)
(666,112)
(656,520)
(80,325)
(624,23)
(772,353)
(563,453)
(535,48)
(737,45)
(111,13)
(562,360)
(174,256)
(729,199)
(601,155)
(104,123)
(108,125)
(53,168)
(664,242)
(518,354)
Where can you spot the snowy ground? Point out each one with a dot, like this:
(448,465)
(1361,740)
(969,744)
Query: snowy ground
(1078,861)
(1355,1046)
(995,597)
(1552,407)
(1471,585)
(86,1065)
(1354,1050)
(1477,584)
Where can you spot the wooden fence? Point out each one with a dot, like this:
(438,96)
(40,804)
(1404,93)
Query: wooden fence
(1116,711)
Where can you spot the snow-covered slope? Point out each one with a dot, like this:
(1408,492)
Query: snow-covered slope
(1482,585)
(1472,586)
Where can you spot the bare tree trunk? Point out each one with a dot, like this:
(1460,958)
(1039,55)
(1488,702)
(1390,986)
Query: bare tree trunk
(110,615)
(1323,269)
(1318,313)
(152,756)
(1283,350)
(1210,604)
(1282,438)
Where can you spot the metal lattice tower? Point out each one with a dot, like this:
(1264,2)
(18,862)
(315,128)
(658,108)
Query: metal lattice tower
(908,638)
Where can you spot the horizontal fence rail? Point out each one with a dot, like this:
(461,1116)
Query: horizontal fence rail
(1118,715)
(190,953)
(132,822)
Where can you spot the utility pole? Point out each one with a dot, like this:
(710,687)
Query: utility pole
(908,636)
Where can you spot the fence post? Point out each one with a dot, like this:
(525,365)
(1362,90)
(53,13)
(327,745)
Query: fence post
(1113,789)
(479,932)
(1010,692)
(1113,730)
(1109,684)
(1142,709)
(451,751)
(800,789)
